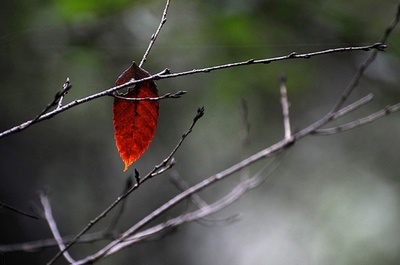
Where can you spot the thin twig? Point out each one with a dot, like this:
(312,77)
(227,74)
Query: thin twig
(66,87)
(58,97)
(182,185)
(165,75)
(155,35)
(128,185)
(53,227)
(331,117)
(158,169)
(244,135)
(352,107)
(363,67)
(340,113)
(359,122)
(244,115)
(38,245)
(8,207)
(285,107)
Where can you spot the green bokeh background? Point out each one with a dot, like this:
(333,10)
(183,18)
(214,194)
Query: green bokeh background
(333,200)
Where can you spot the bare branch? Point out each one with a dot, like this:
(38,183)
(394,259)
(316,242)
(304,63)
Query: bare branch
(174,201)
(264,153)
(333,116)
(352,107)
(165,74)
(182,185)
(282,145)
(58,98)
(330,117)
(53,227)
(158,169)
(285,107)
(155,35)
(244,135)
(8,207)
(392,26)
(128,238)
(244,115)
(293,55)
(359,122)
(38,245)
(66,87)
(128,185)
(360,72)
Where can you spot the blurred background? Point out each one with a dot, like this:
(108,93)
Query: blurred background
(333,200)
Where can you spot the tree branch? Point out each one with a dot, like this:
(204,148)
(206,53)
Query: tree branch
(285,107)
(359,122)
(267,152)
(38,245)
(155,35)
(157,170)
(8,207)
(58,98)
(53,227)
(182,185)
(165,75)
(129,238)
(360,72)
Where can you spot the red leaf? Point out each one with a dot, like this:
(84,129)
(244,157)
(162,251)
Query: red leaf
(135,122)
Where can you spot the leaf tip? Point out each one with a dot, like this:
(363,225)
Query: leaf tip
(127,165)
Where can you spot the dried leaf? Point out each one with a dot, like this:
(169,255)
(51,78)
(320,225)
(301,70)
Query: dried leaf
(135,122)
